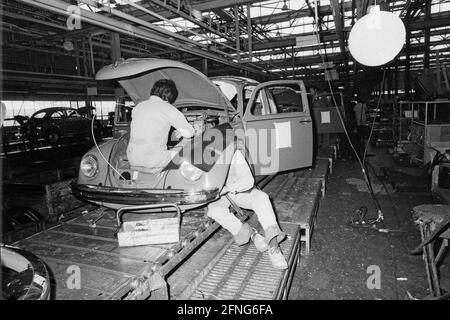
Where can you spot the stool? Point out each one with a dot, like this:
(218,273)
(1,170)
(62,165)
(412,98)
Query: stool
(434,223)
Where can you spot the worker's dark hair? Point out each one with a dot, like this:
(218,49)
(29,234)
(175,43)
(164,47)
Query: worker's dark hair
(165,89)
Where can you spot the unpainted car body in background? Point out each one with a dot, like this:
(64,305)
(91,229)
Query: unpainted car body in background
(55,124)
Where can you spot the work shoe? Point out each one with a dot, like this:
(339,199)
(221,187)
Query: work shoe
(259,241)
(277,258)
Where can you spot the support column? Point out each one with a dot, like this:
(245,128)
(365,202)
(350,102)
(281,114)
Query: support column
(407,62)
(249,33)
(293,62)
(85,68)
(116,55)
(396,79)
(77,56)
(426,56)
(339,23)
(237,32)
(115,47)
(91,55)
(205,66)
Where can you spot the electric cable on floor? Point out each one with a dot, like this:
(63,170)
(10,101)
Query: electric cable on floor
(380,216)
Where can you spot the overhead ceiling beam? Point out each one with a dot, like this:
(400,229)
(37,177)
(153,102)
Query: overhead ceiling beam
(22,17)
(220,4)
(200,6)
(325,10)
(436,21)
(112,24)
(332,42)
(191,19)
(223,14)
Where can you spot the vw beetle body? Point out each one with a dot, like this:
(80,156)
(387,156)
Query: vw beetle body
(106,178)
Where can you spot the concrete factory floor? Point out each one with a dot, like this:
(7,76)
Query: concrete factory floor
(339,264)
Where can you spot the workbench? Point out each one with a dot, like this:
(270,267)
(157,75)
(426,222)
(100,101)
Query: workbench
(434,225)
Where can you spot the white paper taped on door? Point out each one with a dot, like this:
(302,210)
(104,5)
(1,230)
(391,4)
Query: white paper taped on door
(325,117)
(282,135)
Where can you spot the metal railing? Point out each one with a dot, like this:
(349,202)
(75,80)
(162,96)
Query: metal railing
(422,113)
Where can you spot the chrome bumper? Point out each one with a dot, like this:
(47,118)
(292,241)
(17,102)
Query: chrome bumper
(136,197)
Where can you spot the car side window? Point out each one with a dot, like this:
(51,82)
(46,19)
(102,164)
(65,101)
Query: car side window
(123,110)
(124,113)
(73,114)
(271,103)
(276,99)
(229,90)
(57,115)
(257,108)
(287,98)
(39,115)
(246,95)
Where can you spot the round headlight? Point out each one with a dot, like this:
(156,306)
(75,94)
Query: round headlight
(190,172)
(89,166)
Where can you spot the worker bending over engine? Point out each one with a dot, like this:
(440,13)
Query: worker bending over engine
(150,126)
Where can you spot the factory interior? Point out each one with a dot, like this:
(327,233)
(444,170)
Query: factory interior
(225,150)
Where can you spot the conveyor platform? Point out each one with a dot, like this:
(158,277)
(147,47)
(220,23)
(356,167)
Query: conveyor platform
(88,243)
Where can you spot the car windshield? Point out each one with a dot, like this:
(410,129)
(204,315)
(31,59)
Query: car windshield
(124,107)
(73,113)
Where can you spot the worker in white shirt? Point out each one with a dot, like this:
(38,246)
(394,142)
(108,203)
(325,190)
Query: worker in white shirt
(150,126)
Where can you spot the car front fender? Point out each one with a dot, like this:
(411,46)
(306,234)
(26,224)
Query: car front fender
(101,153)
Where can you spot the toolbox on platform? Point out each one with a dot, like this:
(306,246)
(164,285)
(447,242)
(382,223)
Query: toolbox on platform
(149,231)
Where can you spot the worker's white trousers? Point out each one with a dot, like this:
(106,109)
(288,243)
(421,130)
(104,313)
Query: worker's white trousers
(255,200)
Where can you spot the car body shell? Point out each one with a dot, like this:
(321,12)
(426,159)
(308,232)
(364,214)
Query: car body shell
(24,276)
(54,123)
(116,184)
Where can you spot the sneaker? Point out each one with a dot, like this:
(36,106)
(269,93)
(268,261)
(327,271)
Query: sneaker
(259,241)
(277,258)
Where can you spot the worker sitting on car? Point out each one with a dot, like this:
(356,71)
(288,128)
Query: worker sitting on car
(150,125)
(241,190)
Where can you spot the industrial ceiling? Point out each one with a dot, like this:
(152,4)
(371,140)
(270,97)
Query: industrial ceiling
(51,49)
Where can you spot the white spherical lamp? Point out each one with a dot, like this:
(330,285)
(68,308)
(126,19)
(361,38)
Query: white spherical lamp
(376,38)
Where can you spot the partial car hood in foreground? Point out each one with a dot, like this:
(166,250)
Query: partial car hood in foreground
(137,77)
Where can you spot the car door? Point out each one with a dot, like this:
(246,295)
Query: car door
(278,127)
(76,124)
(57,122)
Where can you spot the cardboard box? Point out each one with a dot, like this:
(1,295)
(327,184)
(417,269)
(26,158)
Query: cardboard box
(149,231)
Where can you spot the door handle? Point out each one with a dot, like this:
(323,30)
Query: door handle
(305,121)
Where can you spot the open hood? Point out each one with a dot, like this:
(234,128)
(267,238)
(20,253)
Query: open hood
(137,77)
